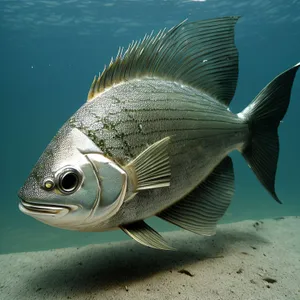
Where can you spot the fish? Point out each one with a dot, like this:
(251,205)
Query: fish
(154,138)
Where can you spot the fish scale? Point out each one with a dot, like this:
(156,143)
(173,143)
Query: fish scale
(188,157)
(158,121)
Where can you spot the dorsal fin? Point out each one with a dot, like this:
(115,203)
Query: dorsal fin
(200,54)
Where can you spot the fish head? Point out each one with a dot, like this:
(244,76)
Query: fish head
(73,185)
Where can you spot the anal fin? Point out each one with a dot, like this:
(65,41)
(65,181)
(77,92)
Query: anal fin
(145,235)
(200,210)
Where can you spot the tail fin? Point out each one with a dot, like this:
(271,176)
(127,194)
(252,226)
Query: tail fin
(263,116)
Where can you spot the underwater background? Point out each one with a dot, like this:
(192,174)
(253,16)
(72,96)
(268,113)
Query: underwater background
(49,54)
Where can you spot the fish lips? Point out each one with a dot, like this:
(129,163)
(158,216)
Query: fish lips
(36,210)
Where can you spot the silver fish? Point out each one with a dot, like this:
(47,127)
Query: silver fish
(154,136)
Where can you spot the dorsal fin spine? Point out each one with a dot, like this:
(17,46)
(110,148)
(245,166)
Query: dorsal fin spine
(199,54)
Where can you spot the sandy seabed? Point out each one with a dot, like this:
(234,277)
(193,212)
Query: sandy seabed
(249,260)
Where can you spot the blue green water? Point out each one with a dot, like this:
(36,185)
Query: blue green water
(49,53)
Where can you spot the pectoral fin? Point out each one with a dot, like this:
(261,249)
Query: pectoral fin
(145,235)
(151,169)
(200,210)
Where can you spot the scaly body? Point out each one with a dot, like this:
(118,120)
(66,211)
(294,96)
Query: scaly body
(127,118)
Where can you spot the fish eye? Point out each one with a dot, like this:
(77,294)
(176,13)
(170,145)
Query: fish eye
(69,180)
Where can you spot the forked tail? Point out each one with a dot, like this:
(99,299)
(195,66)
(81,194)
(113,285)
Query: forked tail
(263,116)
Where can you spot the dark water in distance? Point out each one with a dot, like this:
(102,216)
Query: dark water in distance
(50,51)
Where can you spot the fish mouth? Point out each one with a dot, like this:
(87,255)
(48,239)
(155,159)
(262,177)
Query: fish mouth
(43,210)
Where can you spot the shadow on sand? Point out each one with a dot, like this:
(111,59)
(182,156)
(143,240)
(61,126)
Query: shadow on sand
(110,266)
